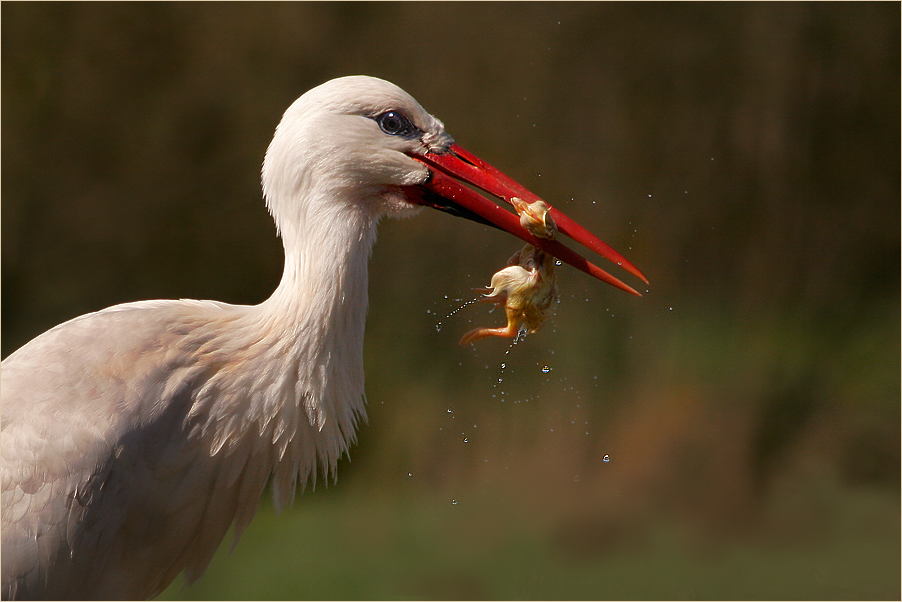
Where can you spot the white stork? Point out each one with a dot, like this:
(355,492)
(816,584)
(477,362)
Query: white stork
(133,437)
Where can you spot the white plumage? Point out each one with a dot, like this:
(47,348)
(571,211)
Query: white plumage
(133,437)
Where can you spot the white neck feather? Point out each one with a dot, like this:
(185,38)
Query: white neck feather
(319,311)
(314,325)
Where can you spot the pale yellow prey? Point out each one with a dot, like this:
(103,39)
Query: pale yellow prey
(526,287)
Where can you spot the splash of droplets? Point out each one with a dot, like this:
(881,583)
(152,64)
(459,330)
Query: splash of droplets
(500,380)
(441,323)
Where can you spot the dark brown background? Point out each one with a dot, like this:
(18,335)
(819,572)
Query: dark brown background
(745,156)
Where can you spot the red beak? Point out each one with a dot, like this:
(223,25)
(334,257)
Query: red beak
(443,191)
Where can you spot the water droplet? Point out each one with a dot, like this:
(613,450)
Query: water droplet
(453,502)
(438,327)
(546,369)
(576,479)
(606,458)
(558,262)
(466,440)
(450,411)
(409,474)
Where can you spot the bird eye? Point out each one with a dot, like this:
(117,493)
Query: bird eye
(395,123)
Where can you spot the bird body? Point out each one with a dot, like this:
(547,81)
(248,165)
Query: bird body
(134,437)
(174,429)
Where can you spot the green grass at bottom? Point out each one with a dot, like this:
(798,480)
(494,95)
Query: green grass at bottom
(416,546)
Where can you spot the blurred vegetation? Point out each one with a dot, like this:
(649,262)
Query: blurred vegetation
(745,156)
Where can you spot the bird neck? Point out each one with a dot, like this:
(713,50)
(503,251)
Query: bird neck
(315,320)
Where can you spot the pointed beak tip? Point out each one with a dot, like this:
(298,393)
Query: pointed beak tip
(624,287)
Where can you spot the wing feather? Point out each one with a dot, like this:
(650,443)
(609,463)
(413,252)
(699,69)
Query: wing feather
(130,456)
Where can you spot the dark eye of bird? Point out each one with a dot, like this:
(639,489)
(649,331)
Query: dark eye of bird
(395,123)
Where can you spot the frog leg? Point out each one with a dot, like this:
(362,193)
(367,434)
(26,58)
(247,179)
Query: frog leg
(509,331)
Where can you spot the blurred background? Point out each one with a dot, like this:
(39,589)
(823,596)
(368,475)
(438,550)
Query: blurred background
(735,433)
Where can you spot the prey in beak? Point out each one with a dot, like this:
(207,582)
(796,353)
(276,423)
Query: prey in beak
(526,286)
(445,191)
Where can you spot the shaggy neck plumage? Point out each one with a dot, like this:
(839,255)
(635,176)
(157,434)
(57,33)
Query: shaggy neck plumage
(314,322)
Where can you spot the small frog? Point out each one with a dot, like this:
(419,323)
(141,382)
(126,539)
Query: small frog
(526,287)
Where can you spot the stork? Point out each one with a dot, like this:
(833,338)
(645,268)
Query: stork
(133,437)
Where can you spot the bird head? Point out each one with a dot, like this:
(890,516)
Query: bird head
(376,150)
